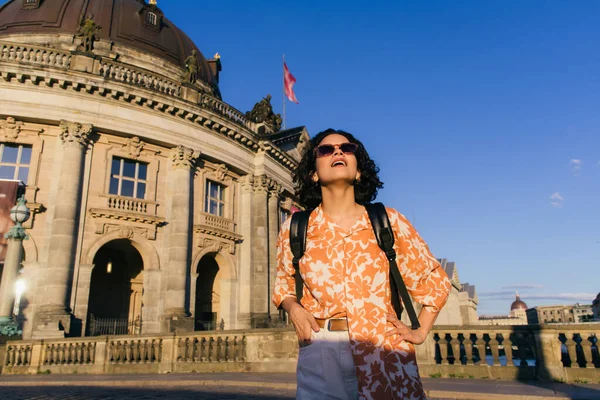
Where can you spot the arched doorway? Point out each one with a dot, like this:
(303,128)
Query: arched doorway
(207,306)
(116,288)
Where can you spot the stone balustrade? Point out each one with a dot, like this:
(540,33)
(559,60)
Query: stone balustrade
(138,77)
(214,221)
(127,204)
(215,105)
(113,70)
(560,352)
(34,55)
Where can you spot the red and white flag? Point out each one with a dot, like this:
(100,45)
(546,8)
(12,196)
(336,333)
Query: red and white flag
(288,84)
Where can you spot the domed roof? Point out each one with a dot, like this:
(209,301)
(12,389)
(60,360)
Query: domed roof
(518,304)
(125,22)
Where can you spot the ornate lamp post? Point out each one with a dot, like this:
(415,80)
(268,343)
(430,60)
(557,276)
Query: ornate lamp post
(12,263)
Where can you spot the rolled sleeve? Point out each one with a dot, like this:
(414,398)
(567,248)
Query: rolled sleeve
(425,279)
(285,285)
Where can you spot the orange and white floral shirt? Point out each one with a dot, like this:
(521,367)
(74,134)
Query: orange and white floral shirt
(345,272)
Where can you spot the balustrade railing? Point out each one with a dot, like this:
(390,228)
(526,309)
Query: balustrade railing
(71,353)
(18,354)
(214,221)
(128,351)
(566,352)
(493,347)
(222,348)
(138,77)
(213,104)
(34,55)
(127,204)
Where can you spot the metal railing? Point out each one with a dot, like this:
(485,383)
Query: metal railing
(115,326)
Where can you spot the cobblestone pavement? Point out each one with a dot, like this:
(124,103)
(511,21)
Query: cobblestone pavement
(103,393)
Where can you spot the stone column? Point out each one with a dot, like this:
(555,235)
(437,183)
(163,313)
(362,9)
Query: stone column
(274,193)
(260,253)
(53,318)
(176,313)
(12,263)
(244,319)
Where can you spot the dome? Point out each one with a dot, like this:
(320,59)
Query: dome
(122,22)
(518,304)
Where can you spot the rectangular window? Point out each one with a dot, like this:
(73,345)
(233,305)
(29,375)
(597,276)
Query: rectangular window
(215,198)
(30,1)
(151,18)
(14,161)
(128,178)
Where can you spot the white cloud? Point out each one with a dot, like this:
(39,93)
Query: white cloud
(556,199)
(532,286)
(510,295)
(576,166)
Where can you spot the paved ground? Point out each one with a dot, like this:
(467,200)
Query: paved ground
(254,386)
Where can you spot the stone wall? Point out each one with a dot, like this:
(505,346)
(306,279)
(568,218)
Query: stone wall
(562,353)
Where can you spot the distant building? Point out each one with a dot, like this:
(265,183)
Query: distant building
(560,314)
(461,307)
(517,315)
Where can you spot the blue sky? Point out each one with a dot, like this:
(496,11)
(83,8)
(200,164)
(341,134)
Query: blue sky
(474,111)
(483,117)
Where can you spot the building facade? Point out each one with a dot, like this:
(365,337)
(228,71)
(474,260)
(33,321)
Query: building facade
(516,316)
(576,313)
(153,201)
(461,307)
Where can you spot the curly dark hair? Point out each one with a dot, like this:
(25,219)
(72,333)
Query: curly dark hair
(309,192)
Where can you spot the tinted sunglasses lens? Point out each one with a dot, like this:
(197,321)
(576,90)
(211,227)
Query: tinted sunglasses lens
(325,150)
(349,148)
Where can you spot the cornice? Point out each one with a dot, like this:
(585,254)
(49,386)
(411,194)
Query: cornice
(207,111)
(123,216)
(208,230)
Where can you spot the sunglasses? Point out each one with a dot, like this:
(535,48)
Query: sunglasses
(325,150)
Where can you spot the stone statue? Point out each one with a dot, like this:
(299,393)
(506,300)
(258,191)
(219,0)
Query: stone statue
(263,113)
(87,32)
(191,63)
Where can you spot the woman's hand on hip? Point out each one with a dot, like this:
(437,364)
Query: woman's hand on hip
(304,322)
(416,336)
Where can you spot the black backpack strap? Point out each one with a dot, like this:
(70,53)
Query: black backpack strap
(385,239)
(298,228)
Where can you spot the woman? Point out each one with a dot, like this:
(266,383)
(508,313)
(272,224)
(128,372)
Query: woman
(351,343)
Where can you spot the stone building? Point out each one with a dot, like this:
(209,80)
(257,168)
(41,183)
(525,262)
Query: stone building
(517,315)
(461,307)
(560,314)
(153,201)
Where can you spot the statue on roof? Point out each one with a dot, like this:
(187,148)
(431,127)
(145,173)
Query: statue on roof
(87,32)
(263,113)
(192,66)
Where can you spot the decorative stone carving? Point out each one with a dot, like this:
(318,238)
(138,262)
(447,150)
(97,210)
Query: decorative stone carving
(221,172)
(247,183)
(184,157)
(10,129)
(262,112)
(134,147)
(261,183)
(275,189)
(87,32)
(74,132)
(148,228)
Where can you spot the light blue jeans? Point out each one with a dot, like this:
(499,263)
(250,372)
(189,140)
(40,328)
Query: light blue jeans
(326,369)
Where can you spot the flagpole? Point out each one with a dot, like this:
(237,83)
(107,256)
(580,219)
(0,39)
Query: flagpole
(283,87)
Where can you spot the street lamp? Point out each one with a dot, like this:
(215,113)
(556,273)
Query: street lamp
(12,263)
